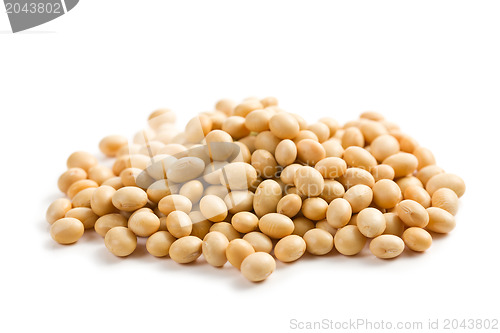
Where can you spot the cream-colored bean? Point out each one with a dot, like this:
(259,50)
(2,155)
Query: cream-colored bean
(102,200)
(245,222)
(332,190)
(237,250)
(80,185)
(227,229)
(212,172)
(321,130)
(114,182)
(201,226)
(235,126)
(386,193)
(290,248)
(179,224)
(238,176)
(174,202)
(69,177)
(129,198)
(111,144)
(339,213)
(249,142)
(352,136)
(185,169)
(288,174)
(83,198)
(239,201)
(331,167)
(446,180)
(359,157)
(418,194)
(276,225)
(371,222)
(259,241)
(57,209)
(333,148)
(193,190)
(266,197)
(100,174)
(371,115)
(403,164)
(440,220)
(109,221)
(412,213)
(324,225)
(417,239)
(67,230)
(219,147)
(349,240)
(393,225)
(359,196)
(319,242)
(301,225)
(286,152)
(428,172)
(159,189)
(305,134)
(258,266)
(446,199)
(186,249)
(145,223)
(81,159)
(264,163)
(284,126)
(159,164)
(289,205)
(158,244)
(159,117)
(258,120)
(310,151)
(267,141)
(214,248)
(405,182)
(84,215)
(226,106)
(384,146)
(382,171)
(314,208)
(197,127)
(387,246)
(244,108)
(356,176)
(424,156)
(309,181)
(332,125)
(213,208)
(407,143)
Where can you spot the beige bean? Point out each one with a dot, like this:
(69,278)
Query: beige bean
(440,220)
(359,196)
(201,226)
(130,161)
(305,134)
(310,151)
(111,144)
(129,198)
(109,221)
(446,199)
(314,208)
(238,176)
(371,222)
(83,198)
(266,197)
(244,154)
(145,223)
(319,242)
(349,240)
(179,224)
(237,250)
(212,172)
(226,106)
(84,215)
(405,182)
(339,213)
(258,120)
(115,182)
(245,222)
(324,225)
(386,193)
(403,164)
(424,156)
(447,180)
(309,181)
(290,248)
(69,177)
(214,248)
(244,108)
(333,148)
(239,201)
(352,136)
(227,229)
(159,189)
(289,205)
(321,130)
(384,146)
(359,157)
(276,225)
(219,148)
(185,169)
(387,246)
(101,200)
(81,159)
(158,244)
(301,225)
(235,126)
(371,115)
(382,171)
(213,208)
(286,152)
(418,194)
(288,174)
(258,266)
(269,101)
(259,241)
(197,127)
(417,239)
(412,213)
(332,124)
(428,172)
(331,167)
(159,164)
(407,143)
(264,163)
(67,230)
(332,190)
(57,209)
(161,116)
(80,185)
(284,126)
(356,176)
(393,225)
(267,141)
(174,202)
(186,249)
(100,174)
(193,190)
(249,142)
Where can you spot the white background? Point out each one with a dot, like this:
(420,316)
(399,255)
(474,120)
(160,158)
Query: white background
(431,66)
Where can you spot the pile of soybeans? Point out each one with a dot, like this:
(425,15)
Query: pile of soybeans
(250,179)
